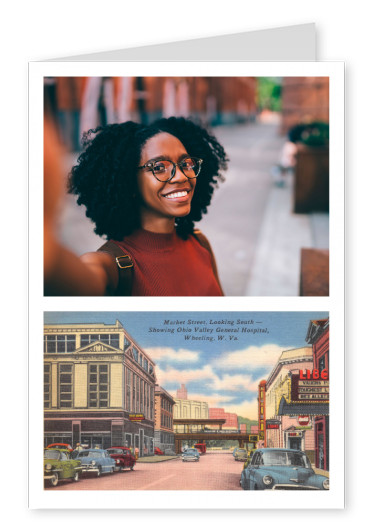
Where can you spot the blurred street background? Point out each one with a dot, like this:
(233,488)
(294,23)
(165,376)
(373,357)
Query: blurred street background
(269,220)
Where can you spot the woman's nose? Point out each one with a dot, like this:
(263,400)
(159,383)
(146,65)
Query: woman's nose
(177,175)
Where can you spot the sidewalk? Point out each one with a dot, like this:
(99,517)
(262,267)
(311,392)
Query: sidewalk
(276,266)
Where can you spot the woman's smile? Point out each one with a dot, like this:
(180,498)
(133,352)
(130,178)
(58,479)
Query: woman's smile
(163,201)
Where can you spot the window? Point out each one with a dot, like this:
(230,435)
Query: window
(135,354)
(66,385)
(59,343)
(98,386)
(129,379)
(107,339)
(47,385)
(322,363)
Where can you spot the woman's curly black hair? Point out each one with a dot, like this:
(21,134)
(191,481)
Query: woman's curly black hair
(105,177)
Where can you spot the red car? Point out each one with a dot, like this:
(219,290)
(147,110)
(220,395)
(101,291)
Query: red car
(61,446)
(123,457)
(158,451)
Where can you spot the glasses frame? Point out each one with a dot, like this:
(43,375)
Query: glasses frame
(150,166)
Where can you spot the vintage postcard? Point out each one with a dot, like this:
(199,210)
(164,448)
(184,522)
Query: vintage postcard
(231,402)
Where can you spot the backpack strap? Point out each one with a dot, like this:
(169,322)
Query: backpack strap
(125,267)
(204,242)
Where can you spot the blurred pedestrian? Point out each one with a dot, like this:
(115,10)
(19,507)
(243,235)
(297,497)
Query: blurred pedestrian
(144,187)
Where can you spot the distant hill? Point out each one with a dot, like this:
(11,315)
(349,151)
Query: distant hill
(248,422)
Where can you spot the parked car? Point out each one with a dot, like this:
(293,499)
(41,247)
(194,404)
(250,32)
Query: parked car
(61,446)
(281,469)
(241,454)
(158,451)
(122,456)
(190,454)
(96,461)
(58,465)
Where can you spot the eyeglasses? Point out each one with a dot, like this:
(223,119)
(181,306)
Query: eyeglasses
(165,170)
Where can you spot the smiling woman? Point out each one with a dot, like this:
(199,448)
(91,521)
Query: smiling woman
(144,187)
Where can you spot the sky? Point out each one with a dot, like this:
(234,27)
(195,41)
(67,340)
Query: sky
(219,356)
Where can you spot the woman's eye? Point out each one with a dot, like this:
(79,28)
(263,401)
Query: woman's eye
(188,164)
(160,167)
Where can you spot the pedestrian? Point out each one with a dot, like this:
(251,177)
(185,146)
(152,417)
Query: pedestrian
(136,452)
(78,447)
(144,187)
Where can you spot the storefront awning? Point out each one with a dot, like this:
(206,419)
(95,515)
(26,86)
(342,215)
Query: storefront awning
(303,408)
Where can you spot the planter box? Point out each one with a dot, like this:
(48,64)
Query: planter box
(314,273)
(311,184)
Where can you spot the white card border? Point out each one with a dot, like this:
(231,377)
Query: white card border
(334,304)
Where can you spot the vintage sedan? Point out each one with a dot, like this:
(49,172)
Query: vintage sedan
(240,454)
(61,446)
(58,465)
(281,469)
(96,461)
(158,451)
(190,454)
(123,457)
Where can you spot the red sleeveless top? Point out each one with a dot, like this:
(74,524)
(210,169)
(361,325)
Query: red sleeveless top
(166,265)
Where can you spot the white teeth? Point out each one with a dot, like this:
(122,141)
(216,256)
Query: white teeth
(176,194)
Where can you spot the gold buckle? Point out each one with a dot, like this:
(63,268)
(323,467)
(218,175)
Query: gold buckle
(124,256)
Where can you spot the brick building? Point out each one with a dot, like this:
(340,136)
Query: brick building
(164,429)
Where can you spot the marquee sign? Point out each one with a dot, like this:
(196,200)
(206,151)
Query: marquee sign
(309,390)
(273,424)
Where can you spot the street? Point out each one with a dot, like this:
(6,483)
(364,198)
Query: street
(214,471)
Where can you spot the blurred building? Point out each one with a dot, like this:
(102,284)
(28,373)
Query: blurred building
(304,100)
(83,103)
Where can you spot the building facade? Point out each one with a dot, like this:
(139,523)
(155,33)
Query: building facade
(285,430)
(99,387)
(219,413)
(164,429)
(318,336)
(188,409)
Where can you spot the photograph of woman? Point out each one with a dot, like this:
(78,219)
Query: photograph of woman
(144,186)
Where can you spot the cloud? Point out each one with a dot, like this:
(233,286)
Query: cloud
(235,382)
(183,376)
(247,409)
(169,354)
(212,400)
(264,357)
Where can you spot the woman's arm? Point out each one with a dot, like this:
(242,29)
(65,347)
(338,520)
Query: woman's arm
(64,272)
(67,274)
